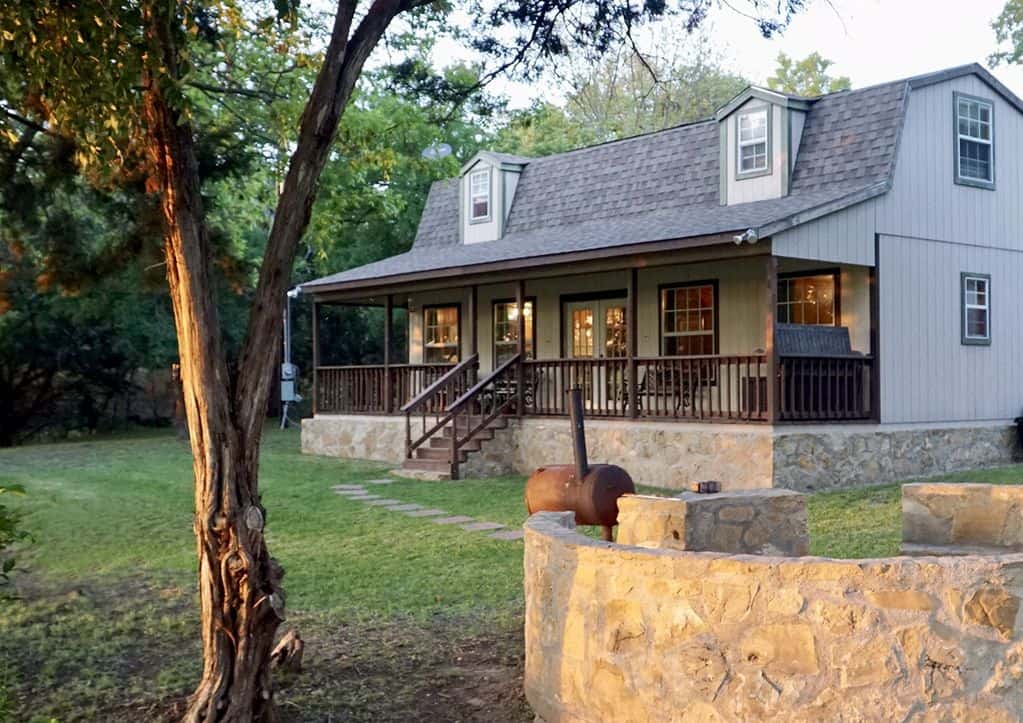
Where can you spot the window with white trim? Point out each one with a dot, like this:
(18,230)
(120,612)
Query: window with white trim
(753,143)
(976,302)
(479,195)
(688,320)
(975,151)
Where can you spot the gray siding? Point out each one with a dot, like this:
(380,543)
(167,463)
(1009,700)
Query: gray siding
(927,374)
(931,230)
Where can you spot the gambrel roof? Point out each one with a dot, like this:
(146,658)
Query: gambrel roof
(660,187)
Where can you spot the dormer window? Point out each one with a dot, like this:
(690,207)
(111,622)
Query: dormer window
(975,150)
(479,195)
(753,142)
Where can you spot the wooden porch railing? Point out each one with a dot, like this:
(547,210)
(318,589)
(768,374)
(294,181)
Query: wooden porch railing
(815,388)
(361,389)
(717,387)
(430,405)
(693,388)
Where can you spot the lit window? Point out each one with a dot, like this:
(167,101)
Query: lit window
(440,334)
(479,195)
(506,330)
(753,144)
(687,320)
(807,300)
(975,163)
(976,300)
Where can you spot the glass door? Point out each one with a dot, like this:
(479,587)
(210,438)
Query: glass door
(596,329)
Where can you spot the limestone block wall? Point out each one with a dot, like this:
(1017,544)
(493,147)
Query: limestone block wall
(962,515)
(355,436)
(671,455)
(830,457)
(621,633)
(660,454)
(749,522)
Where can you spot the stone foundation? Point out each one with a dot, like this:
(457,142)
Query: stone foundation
(634,635)
(671,455)
(823,457)
(355,436)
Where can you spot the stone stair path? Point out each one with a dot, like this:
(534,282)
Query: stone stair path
(359,493)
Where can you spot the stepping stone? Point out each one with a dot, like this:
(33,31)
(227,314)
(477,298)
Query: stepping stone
(346,488)
(481,526)
(403,508)
(507,535)
(364,498)
(352,493)
(379,481)
(380,502)
(456,520)
(425,513)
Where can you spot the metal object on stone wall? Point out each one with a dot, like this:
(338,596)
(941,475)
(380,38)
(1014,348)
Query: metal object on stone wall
(590,491)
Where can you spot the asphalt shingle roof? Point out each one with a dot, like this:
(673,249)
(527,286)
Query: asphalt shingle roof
(660,187)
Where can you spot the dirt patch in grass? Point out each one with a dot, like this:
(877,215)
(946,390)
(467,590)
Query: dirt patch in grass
(129,651)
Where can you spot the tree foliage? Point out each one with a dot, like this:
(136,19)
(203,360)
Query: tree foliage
(807,77)
(1008,28)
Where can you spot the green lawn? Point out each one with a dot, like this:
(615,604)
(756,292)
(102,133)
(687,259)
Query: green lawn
(395,609)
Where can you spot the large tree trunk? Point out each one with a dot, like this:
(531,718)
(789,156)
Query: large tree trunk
(239,584)
(241,599)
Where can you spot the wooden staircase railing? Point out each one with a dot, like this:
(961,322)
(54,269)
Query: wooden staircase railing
(479,406)
(435,399)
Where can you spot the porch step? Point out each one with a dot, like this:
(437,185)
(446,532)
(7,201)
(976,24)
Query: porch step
(431,461)
(438,467)
(442,453)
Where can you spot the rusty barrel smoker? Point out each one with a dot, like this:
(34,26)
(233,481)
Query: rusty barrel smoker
(591,491)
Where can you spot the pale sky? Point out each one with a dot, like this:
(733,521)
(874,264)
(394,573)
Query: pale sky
(871,41)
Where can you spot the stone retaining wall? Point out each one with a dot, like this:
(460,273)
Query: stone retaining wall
(747,522)
(628,634)
(969,515)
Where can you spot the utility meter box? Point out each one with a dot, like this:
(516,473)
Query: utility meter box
(289,383)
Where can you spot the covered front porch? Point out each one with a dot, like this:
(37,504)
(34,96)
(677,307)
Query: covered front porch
(742,336)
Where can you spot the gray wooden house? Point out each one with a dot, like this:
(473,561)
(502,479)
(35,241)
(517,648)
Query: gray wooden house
(803,292)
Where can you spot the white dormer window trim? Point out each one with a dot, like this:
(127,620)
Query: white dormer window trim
(480,196)
(753,143)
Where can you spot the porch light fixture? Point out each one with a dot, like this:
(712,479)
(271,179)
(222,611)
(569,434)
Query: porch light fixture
(749,236)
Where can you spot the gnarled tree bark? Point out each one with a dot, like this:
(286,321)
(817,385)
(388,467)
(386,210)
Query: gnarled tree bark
(241,598)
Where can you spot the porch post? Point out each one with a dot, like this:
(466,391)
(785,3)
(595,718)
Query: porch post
(771,299)
(388,313)
(631,335)
(875,332)
(520,304)
(316,356)
(474,341)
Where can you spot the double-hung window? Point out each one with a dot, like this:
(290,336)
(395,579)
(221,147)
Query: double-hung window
(688,319)
(479,195)
(753,142)
(440,334)
(976,309)
(975,141)
(506,330)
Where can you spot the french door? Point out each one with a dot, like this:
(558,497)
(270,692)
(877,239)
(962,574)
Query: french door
(596,329)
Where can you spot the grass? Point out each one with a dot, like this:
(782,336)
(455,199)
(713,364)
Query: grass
(399,614)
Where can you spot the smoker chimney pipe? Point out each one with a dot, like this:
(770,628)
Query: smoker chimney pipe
(575,409)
